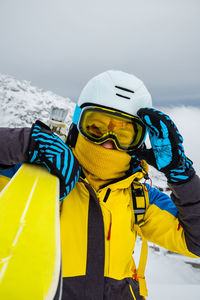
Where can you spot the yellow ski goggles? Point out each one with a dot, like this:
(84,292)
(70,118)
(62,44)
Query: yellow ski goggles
(99,124)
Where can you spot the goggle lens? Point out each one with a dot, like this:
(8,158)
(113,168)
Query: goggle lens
(99,124)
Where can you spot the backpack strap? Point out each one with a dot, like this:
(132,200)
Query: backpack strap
(140,202)
(140,271)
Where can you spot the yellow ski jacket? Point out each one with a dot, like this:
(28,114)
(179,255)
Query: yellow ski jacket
(98,234)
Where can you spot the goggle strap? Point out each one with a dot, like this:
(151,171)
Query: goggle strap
(77,114)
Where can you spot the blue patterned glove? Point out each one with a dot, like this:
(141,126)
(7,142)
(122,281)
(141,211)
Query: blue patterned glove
(167,153)
(48,149)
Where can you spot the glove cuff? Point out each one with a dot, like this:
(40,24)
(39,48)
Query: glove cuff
(182,174)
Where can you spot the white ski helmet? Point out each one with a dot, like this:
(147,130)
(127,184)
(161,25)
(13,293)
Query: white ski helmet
(114,90)
(117,90)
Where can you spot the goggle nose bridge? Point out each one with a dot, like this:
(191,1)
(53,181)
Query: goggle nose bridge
(111,125)
(109,136)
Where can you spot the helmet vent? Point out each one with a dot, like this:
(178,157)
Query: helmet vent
(123,96)
(123,89)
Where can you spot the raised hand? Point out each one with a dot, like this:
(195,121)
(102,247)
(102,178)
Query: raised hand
(167,153)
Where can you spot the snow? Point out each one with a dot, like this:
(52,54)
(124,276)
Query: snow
(174,292)
(22,104)
(169,276)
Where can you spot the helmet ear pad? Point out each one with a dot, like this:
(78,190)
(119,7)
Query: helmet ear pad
(72,135)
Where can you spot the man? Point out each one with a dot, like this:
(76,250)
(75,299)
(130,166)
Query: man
(108,207)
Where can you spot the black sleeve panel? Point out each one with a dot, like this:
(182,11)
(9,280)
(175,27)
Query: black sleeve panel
(14,144)
(187,200)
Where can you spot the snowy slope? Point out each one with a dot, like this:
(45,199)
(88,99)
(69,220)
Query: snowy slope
(169,277)
(21,104)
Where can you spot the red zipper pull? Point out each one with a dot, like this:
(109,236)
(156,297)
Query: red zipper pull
(179,226)
(109,232)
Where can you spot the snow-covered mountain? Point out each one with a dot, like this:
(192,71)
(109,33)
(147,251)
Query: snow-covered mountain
(22,104)
(169,276)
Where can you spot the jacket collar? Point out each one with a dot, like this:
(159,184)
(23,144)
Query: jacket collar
(126,181)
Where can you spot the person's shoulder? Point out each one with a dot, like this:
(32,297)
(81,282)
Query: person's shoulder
(161,200)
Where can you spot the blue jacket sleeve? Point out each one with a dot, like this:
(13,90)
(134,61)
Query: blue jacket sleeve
(161,200)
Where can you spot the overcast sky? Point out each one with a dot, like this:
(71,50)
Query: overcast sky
(60,44)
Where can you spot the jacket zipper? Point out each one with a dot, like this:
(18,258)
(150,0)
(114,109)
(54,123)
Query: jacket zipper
(110,225)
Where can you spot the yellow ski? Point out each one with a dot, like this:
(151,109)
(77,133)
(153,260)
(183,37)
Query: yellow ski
(30,257)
